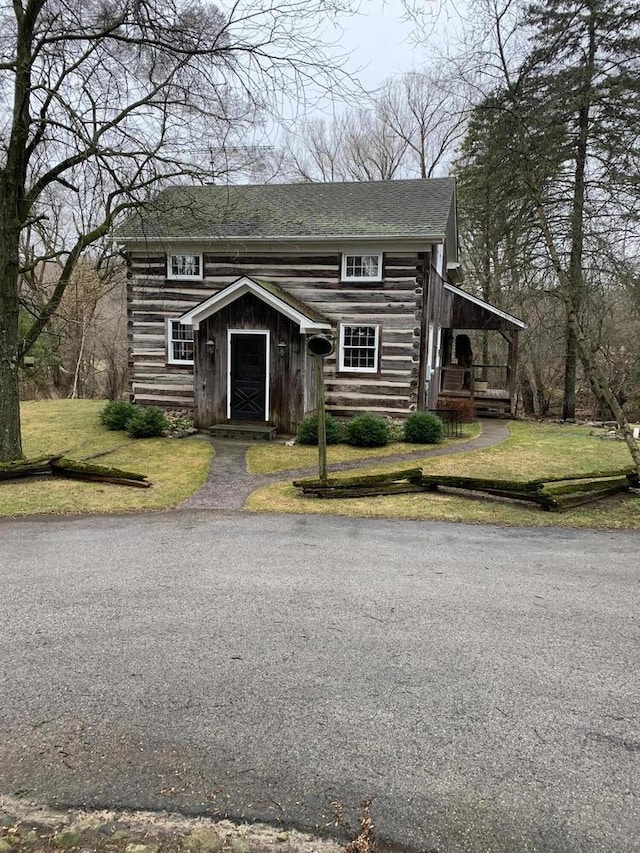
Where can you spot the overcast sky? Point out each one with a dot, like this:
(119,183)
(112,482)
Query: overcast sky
(383,42)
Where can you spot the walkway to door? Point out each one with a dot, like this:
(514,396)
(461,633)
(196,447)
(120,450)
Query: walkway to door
(229,484)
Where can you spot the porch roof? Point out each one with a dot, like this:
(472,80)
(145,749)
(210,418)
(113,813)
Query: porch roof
(308,319)
(492,317)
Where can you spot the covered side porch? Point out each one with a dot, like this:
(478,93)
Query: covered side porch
(478,353)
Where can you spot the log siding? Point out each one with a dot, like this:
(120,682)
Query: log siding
(396,304)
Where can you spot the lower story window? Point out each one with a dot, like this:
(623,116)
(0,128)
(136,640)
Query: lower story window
(359,347)
(180,342)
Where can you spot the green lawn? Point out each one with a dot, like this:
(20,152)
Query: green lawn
(270,457)
(176,467)
(533,450)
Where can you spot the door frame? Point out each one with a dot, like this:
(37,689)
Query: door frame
(267,371)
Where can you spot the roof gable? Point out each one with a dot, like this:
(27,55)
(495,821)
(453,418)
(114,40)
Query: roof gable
(306,317)
(418,209)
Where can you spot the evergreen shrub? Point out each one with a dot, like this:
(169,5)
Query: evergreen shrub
(308,430)
(368,431)
(423,428)
(147,422)
(117,414)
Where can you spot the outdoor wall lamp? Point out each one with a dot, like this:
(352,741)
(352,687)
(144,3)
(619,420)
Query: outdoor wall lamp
(282,348)
(211,347)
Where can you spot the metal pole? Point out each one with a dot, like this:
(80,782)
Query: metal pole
(322,429)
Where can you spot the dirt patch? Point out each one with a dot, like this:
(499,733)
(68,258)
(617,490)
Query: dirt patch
(27,827)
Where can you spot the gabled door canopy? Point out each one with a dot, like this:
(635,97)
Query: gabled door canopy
(307,318)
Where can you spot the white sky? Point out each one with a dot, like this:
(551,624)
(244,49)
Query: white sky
(379,40)
(383,42)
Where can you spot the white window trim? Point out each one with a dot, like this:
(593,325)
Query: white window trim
(173,277)
(360,253)
(265,332)
(170,339)
(348,369)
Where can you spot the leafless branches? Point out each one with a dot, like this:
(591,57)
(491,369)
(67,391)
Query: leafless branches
(410,128)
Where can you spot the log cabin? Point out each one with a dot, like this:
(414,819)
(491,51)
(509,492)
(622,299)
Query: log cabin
(227,284)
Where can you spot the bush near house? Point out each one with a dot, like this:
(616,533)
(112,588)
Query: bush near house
(147,422)
(423,428)
(464,408)
(368,431)
(117,414)
(138,421)
(308,430)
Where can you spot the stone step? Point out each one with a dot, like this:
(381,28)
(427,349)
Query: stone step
(244,432)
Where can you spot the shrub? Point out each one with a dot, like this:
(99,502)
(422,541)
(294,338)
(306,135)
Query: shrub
(463,407)
(147,422)
(117,414)
(396,429)
(368,431)
(308,430)
(423,428)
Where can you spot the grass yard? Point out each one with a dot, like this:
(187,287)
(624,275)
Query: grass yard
(533,450)
(177,467)
(271,457)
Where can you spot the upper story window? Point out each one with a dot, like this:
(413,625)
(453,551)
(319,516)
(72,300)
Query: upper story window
(359,348)
(184,266)
(361,267)
(179,343)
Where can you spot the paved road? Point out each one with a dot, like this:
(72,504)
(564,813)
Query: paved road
(481,685)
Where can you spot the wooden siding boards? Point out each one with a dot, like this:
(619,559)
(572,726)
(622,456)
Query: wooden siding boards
(285,367)
(397,304)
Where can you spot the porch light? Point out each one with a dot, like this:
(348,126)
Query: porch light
(282,348)
(210,346)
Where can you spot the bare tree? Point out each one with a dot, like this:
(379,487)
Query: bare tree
(102,102)
(410,128)
(318,153)
(426,111)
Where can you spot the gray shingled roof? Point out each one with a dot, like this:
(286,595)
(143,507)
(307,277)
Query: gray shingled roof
(415,208)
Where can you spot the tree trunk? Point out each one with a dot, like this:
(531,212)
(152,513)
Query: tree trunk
(10,440)
(526,391)
(570,369)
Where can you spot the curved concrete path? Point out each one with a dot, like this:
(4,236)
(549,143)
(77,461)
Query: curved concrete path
(229,484)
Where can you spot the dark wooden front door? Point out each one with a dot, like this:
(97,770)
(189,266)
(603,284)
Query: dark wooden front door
(248,377)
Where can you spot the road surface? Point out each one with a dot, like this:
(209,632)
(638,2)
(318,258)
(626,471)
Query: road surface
(479,684)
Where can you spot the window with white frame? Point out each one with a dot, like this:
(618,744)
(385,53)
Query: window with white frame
(362,267)
(359,347)
(184,266)
(179,343)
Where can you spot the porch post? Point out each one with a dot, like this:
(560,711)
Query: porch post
(512,357)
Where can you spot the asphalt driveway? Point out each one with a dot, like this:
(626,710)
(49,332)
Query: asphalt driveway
(479,684)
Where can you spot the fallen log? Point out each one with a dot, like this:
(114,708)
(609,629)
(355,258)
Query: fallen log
(552,493)
(569,487)
(365,479)
(26,467)
(73,469)
(476,483)
(563,502)
(530,497)
(630,473)
(371,491)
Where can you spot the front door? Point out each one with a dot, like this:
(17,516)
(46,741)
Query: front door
(248,377)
